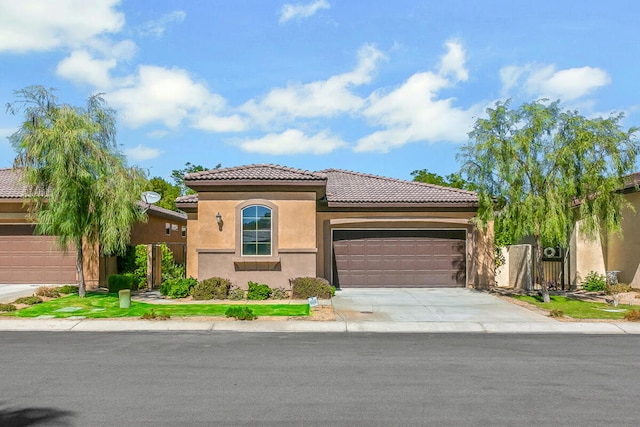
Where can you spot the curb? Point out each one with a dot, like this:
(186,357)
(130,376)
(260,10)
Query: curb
(110,325)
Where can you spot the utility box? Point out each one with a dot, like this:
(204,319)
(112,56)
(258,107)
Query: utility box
(124,295)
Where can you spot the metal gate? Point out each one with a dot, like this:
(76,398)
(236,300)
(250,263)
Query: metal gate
(554,267)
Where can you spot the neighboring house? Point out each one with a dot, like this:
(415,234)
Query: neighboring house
(29,258)
(269,224)
(612,253)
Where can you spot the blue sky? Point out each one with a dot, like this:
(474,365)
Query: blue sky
(376,86)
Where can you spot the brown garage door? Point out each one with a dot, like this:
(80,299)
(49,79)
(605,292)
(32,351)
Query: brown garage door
(25,258)
(399,258)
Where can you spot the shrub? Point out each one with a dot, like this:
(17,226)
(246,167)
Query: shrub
(68,289)
(258,292)
(632,316)
(28,300)
(240,313)
(305,287)
(48,292)
(618,289)
(278,293)
(7,307)
(236,294)
(177,288)
(332,290)
(594,282)
(152,315)
(556,313)
(117,282)
(215,287)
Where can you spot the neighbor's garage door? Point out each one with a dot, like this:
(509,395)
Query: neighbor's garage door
(399,258)
(25,258)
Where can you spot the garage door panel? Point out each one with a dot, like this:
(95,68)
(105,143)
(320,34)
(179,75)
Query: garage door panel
(399,258)
(26,258)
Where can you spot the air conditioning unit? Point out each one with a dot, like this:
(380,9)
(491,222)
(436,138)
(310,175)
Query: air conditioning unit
(552,253)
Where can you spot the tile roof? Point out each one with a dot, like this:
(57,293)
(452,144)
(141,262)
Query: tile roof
(265,172)
(358,188)
(10,185)
(343,187)
(632,181)
(189,198)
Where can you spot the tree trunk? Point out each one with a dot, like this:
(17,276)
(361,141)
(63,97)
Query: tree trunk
(540,272)
(80,270)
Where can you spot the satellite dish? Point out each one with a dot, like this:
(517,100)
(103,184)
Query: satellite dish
(150,197)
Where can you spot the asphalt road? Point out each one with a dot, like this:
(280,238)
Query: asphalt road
(207,379)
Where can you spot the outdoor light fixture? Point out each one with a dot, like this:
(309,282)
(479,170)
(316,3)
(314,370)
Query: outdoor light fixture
(219,220)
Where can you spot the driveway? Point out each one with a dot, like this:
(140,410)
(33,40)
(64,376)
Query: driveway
(428,305)
(9,293)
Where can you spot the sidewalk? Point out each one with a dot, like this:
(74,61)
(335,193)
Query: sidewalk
(138,325)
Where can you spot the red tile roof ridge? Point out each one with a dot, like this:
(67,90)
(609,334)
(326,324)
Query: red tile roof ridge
(205,174)
(404,181)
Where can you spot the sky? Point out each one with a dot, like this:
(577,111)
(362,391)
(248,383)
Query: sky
(374,86)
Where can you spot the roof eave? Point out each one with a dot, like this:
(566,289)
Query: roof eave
(402,205)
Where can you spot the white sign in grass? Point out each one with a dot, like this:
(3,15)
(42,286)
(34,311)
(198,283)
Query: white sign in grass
(313,301)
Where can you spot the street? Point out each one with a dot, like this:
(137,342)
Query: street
(203,379)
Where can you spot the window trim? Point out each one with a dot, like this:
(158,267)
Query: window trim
(274,228)
(167,229)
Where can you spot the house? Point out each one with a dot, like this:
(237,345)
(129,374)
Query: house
(29,258)
(618,253)
(268,224)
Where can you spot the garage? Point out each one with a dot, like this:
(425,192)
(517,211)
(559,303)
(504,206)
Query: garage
(399,258)
(30,259)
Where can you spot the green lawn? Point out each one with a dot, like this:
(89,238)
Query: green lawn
(579,309)
(101,306)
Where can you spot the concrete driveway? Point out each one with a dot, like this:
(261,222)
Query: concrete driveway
(9,293)
(428,305)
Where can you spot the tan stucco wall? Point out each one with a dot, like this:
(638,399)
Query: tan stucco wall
(13,213)
(585,256)
(623,252)
(153,231)
(294,230)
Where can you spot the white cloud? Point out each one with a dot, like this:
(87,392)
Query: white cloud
(547,82)
(40,25)
(158,27)
(170,96)
(298,11)
(140,153)
(157,134)
(5,133)
(81,67)
(323,98)
(413,112)
(453,62)
(293,141)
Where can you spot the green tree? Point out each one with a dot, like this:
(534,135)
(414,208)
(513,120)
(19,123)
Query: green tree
(454,180)
(543,169)
(178,176)
(80,187)
(168,191)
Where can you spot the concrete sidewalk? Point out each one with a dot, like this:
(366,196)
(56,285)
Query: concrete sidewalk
(137,325)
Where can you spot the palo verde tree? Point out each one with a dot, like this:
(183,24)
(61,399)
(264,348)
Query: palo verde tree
(539,170)
(80,187)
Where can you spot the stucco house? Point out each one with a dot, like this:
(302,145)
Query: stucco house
(29,258)
(619,253)
(268,224)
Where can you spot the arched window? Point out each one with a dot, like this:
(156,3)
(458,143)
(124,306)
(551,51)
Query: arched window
(256,231)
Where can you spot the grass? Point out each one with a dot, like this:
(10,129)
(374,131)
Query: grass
(102,306)
(579,309)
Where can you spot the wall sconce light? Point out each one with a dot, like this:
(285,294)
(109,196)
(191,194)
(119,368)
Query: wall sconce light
(219,220)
